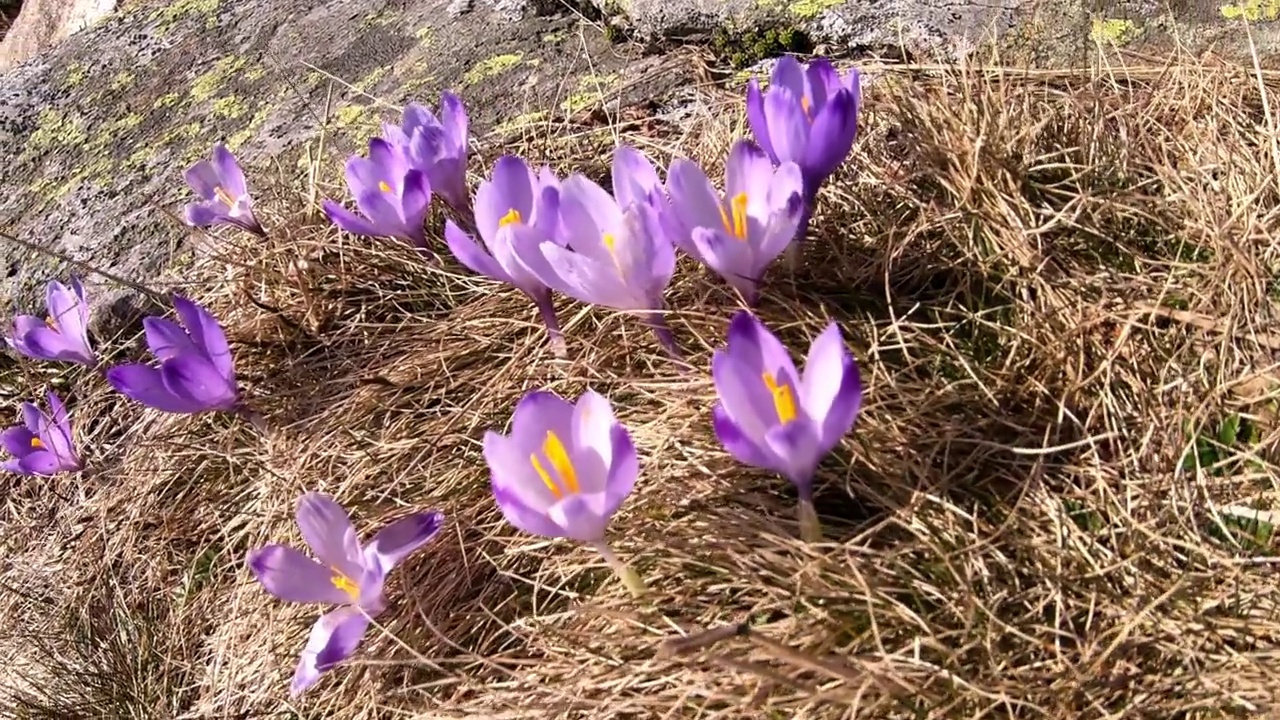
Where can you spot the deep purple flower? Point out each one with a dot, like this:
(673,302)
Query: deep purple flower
(226,196)
(64,334)
(740,234)
(43,444)
(809,116)
(564,470)
(772,417)
(345,574)
(438,147)
(392,196)
(195,373)
(515,208)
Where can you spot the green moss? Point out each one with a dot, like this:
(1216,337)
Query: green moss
(1252,10)
(175,10)
(122,81)
(54,129)
(809,9)
(166,101)
(1114,31)
(76,73)
(229,107)
(208,84)
(495,65)
(745,48)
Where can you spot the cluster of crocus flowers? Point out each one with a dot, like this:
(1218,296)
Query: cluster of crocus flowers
(771,416)
(344,573)
(63,335)
(224,193)
(564,470)
(43,444)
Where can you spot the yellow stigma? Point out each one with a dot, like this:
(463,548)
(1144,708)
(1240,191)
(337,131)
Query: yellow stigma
(560,463)
(51,323)
(512,216)
(609,242)
(223,196)
(804,105)
(35,443)
(383,186)
(736,224)
(343,583)
(783,402)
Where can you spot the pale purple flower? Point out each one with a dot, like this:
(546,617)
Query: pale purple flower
(43,444)
(195,372)
(771,416)
(608,254)
(515,208)
(344,573)
(809,116)
(438,147)
(740,233)
(64,334)
(564,470)
(392,196)
(226,196)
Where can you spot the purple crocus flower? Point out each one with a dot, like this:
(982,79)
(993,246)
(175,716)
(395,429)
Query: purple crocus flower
(608,254)
(438,147)
(770,416)
(345,573)
(740,234)
(195,372)
(42,444)
(226,196)
(392,196)
(564,470)
(515,208)
(64,334)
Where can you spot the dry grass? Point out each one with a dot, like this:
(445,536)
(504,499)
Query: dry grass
(1055,283)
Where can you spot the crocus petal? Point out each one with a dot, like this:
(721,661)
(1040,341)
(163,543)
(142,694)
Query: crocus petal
(207,334)
(743,395)
(521,516)
(749,171)
(511,188)
(831,387)
(166,338)
(16,440)
(41,462)
(749,339)
(592,440)
(832,136)
(469,253)
(744,448)
(587,280)
(349,221)
(396,541)
(729,257)
(453,118)
(581,517)
(415,199)
(203,179)
(623,470)
(57,436)
(202,216)
(34,418)
(538,413)
(385,213)
(796,445)
(694,200)
(788,127)
(327,530)
(293,577)
(589,212)
(64,309)
(143,384)
(42,343)
(229,171)
(334,638)
(756,119)
(634,176)
(194,379)
(788,74)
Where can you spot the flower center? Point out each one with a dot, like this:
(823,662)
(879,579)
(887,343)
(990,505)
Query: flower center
(51,323)
(784,403)
(806,106)
(223,196)
(735,221)
(565,478)
(36,443)
(344,583)
(383,186)
(512,216)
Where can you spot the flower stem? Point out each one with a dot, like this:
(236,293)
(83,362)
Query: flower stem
(810,527)
(658,323)
(547,308)
(795,251)
(254,418)
(629,577)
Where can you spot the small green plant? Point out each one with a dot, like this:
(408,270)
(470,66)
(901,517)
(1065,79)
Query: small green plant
(742,49)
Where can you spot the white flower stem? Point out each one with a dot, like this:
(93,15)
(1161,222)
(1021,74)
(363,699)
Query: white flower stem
(629,577)
(810,527)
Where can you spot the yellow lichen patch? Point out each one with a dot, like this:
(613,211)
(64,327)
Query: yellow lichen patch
(76,73)
(1252,10)
(357,123)
(108,135)
(589,92)
(248,131)
(495,65)
(166,101)
(809,9)
(367,83)
(254,73)
(122,80)
(378,19)
(208,84)
(54,129)
(138,158)
(416,85)
(1115,31)
(425,34)
(229,107)
(554,38)
(174,11)
(520,123)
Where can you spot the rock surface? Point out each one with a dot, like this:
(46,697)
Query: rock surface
(44,23)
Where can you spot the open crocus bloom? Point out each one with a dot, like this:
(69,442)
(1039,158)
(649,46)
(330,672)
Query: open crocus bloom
(770,416)
(226,198)
(515,208)
(64,334)
(43,443)
(196,372)
(344,573)
(564,470)
(392,196)
(437,147)
(740,234)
